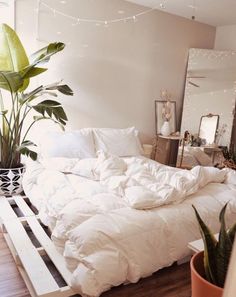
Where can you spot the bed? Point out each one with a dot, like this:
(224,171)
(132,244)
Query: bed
(116,216)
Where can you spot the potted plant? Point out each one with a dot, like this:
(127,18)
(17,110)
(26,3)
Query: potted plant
(209,268)
(16,70)
(230,157)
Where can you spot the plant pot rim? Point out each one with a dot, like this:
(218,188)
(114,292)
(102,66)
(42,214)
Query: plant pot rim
(198,275)
(13,168)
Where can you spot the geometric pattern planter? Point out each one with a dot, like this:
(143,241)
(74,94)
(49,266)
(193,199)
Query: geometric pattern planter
(11,180)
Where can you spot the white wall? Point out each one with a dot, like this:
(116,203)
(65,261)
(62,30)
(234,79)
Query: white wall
(225,38)
(7,13)
(116,72)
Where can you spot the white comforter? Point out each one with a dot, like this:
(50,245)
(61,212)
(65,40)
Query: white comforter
(117,220)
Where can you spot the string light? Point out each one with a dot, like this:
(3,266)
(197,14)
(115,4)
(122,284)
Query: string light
(96,21)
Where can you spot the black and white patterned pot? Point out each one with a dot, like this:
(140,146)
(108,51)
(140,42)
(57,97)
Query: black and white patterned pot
(11,180)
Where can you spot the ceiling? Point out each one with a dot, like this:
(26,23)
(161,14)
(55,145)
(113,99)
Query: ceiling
(212,12)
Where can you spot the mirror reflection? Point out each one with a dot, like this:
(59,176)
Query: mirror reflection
(208,110)
(208,129)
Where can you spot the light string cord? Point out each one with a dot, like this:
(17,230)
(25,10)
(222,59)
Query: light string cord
(96,21)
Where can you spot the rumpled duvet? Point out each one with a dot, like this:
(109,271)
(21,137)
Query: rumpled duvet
(119,219)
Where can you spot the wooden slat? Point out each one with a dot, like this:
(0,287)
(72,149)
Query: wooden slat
(38,273)
(23,206)
(66,292)
(34,271)
(27,281)
(6,212)
(57,259)
(12,249)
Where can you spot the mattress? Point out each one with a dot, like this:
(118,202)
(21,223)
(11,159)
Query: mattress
(118,220)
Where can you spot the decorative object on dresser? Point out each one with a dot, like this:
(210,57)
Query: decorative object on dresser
(15,74)
(165,114)
(209,267)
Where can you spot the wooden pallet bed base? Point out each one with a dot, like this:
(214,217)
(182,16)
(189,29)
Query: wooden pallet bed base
(28,258)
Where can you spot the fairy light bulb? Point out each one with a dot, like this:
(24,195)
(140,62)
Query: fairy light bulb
(77,22)
(106,24)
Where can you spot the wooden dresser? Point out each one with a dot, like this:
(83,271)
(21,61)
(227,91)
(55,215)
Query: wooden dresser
(166,149)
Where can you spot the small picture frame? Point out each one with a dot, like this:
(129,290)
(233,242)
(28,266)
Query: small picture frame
(159,119)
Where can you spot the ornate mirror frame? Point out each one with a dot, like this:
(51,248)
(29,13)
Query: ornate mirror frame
(210,115)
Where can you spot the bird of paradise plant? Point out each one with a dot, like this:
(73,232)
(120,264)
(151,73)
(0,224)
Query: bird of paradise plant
(16,70)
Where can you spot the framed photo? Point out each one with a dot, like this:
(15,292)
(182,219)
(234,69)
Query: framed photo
(160,119)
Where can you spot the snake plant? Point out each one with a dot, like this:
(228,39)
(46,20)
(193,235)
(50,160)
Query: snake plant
(16,70)
(216,252)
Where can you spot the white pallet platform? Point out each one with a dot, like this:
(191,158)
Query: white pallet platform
(28,258)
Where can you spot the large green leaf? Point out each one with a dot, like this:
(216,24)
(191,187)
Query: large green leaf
(209,249)
(231,233)
(13,57)
(43,55)
(24,149)
(31,71)
(51,108)
(64,89)
(11,81)
(224,248)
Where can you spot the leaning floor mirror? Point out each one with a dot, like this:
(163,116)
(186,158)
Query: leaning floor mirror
(209,107)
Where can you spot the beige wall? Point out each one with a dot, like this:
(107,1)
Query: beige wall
(115,72)
(225,38)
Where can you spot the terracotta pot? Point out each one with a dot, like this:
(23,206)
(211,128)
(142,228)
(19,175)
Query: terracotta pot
(200,286)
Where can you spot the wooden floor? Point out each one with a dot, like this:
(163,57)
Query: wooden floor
(169,282)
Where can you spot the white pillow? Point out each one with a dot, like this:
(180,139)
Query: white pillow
(75,144)
(118,142)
